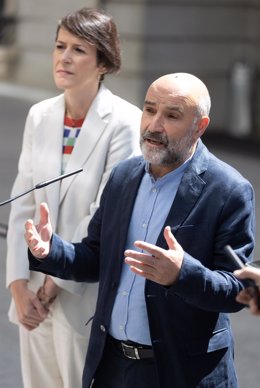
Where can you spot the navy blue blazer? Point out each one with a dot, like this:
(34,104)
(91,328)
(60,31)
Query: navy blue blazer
(189,322)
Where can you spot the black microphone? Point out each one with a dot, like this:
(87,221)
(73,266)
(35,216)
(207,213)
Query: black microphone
(42,184)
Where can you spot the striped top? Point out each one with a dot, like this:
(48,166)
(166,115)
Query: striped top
(71,132)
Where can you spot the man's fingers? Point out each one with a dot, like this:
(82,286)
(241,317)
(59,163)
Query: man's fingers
(38,237)
(152,249)
(44,213)
(169,237)
(31,234)
(140,260)
(160,265)
(29,225)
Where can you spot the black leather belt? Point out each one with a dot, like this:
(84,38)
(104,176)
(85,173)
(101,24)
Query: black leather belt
(131,349)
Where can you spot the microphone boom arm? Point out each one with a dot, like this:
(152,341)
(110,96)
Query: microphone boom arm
(42,184)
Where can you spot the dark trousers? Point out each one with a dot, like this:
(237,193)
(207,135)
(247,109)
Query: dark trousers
(118,371)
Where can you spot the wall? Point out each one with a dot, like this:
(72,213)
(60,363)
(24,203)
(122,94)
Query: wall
(37,21)
(205,38)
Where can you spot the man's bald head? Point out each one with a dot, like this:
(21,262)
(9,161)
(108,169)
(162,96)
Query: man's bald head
(186,85)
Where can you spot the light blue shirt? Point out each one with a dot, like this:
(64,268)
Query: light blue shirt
(129,320)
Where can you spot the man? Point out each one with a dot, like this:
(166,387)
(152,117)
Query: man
(161,317)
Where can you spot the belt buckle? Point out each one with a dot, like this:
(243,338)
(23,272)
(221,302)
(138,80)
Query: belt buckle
(130,351)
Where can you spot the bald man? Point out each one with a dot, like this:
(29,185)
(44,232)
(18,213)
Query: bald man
(156,247)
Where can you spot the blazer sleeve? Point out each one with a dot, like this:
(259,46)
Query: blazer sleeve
(32,166)
(22,209)
(210,285)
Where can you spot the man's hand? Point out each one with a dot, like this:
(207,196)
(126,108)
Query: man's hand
(30,310)
(159,265)
(38,237)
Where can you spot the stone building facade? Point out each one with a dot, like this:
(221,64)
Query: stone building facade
(217,40)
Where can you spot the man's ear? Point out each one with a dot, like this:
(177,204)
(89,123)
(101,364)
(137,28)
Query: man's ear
(202,125)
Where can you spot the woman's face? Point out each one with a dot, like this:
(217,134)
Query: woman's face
(75,62)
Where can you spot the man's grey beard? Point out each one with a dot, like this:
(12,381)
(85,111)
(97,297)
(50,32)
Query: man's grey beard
(174,152)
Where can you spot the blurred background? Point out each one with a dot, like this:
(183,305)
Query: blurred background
(216,40)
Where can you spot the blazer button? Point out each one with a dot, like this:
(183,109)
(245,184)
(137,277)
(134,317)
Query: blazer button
(102,328)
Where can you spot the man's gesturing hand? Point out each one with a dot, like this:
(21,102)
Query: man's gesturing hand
(159,265)
(38,237)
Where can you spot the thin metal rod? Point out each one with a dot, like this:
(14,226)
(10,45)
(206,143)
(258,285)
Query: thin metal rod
(42,184)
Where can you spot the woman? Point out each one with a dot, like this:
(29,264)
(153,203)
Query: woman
(89,127)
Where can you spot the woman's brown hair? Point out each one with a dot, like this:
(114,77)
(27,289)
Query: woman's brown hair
(97,28)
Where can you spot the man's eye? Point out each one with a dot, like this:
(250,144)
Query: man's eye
(174,117)
(149,110)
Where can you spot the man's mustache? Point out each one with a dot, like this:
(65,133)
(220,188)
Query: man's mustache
(155,136)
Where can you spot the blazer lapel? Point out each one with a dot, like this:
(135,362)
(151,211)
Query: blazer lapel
(129,195)
(90,133)
(51,152)
(188,193)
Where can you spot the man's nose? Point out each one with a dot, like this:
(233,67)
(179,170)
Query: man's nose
(156,124)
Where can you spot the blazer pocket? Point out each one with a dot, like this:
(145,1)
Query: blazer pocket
(220,339)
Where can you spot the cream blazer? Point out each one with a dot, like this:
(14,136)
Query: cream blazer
(110,133)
